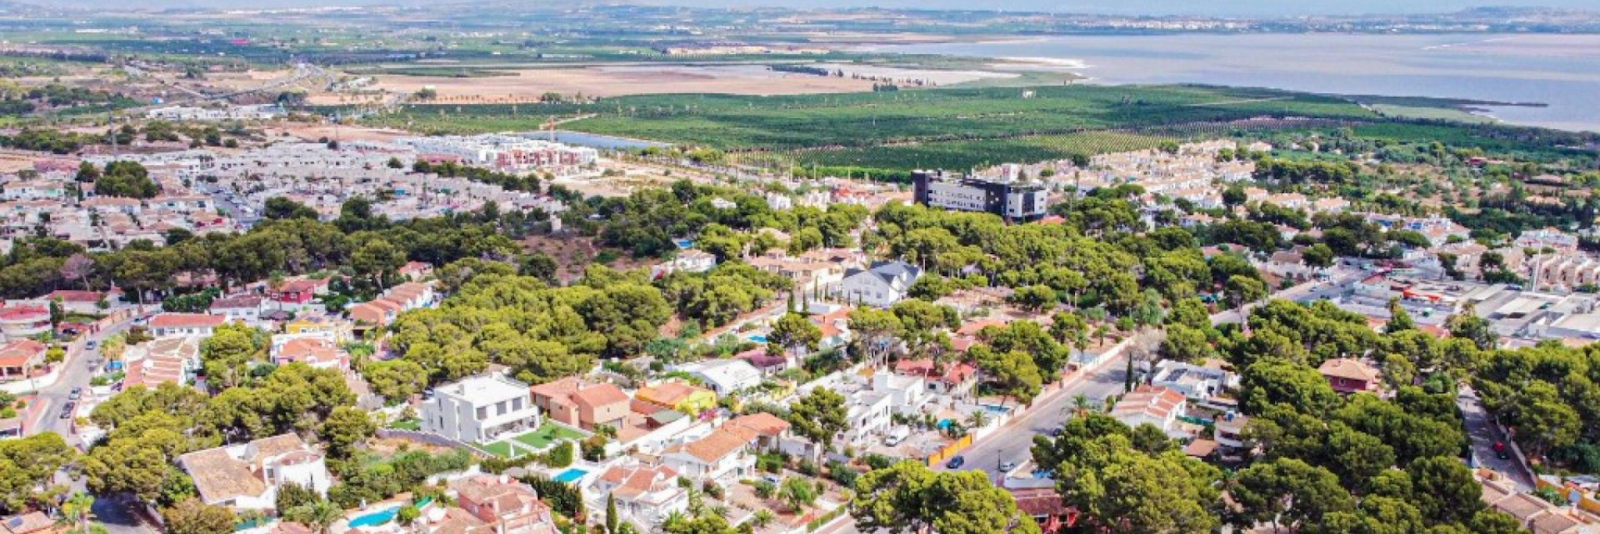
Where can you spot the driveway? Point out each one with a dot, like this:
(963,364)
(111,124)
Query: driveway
(1479,426)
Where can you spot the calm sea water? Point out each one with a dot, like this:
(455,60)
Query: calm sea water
(1562,71)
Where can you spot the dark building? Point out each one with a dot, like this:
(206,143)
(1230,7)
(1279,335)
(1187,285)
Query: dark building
(1010,199)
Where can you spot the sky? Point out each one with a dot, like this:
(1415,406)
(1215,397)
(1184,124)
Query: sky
(1250,8)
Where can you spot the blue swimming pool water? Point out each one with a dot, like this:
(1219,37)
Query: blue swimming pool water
(943,423)
(758,338)
(383,516)
(569,476)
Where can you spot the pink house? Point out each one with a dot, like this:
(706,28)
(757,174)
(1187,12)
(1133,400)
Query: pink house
(1348,376)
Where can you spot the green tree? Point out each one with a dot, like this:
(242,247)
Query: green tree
(1445,490)
(797,493)
(1124,490)
(611,513)
(77,508)
(818,416)
(791,333)
(194,517)
(908,497)
(345,428)
(1287,491)
(1399,320)
(320,515)
(1011,373)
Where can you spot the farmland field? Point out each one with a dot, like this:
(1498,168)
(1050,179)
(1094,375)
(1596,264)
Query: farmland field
(951,127)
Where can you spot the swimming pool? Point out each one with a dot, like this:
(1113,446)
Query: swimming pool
(569,476)
(944,423)
(383,516)
(758,338)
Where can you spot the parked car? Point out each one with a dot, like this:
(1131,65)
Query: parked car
(75,394)
(956,463)
(90,345)
(1500,450)
(1008,466)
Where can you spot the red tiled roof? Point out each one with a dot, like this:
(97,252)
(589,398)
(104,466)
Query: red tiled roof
(11,313)
(20,352)
(178,320)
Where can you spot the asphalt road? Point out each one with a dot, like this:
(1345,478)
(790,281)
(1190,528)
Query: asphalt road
(1484,433)
(115,514)
(1012,443)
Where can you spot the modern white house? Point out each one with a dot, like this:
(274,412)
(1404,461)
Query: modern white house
(1195,382)
(480,408)
(689,261)
(724,376)
(880,285)
(248,476)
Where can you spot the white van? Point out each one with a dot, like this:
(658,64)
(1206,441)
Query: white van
(896,436)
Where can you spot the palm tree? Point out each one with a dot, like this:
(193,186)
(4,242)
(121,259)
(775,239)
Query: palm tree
(763,518)
(674,519)
(76,510)
(320,515)
(977,419)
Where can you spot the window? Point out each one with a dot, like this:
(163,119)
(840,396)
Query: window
(483,412)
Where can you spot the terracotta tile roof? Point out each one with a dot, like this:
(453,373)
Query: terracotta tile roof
(716,445)
(762,423)
(308,350)
(632,481)
(13,313)
(219,476)
(20,352)
(1157,402)
(241,301)
(27,523)
(599,395)
(559,389)
(1349,369)
(669,393)
(182,320)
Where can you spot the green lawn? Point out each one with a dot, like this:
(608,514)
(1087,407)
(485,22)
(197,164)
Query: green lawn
(546,435)
(498,448)
(407,424)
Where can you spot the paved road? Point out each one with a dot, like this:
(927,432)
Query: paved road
(1484,433)
(1013,442)
(75,373)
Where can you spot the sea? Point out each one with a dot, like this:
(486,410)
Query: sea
(1562,72)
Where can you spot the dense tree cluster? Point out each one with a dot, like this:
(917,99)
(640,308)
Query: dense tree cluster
(908,497)
(647,222)
(716,297)
(125,179)
(1550,396)
(542,332)
(356,242)
(149,428)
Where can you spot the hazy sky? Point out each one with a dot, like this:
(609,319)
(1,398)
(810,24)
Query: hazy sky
(1128,7)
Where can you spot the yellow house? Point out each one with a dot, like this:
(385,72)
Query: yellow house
(319,324)
(678,396)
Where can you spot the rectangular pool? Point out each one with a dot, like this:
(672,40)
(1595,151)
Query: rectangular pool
(569,476)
